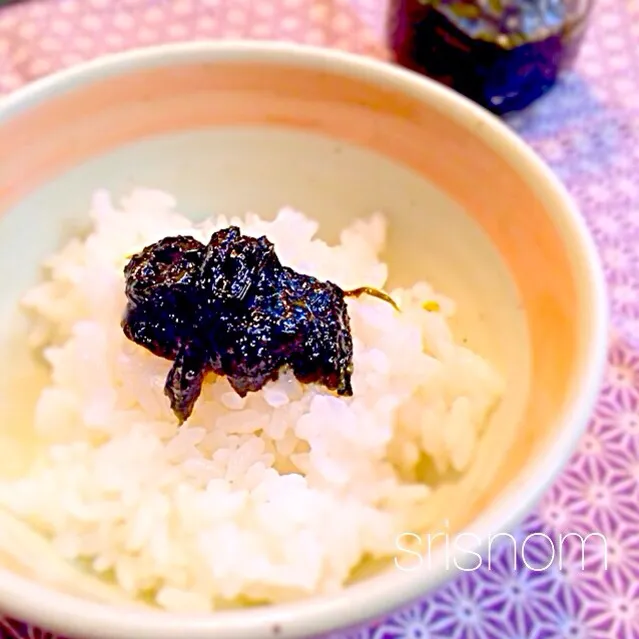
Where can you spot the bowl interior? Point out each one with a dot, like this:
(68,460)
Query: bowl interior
(227,134)
(232,170)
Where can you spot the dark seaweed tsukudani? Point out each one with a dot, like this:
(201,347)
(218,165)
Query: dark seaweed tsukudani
(232,309)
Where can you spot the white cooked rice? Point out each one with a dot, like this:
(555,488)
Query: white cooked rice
(272,497)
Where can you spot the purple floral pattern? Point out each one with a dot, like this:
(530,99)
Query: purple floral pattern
(587,129)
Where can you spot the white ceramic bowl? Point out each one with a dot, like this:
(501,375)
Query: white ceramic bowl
(238,126)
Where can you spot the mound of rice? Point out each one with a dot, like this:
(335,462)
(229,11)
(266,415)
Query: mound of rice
(268,498)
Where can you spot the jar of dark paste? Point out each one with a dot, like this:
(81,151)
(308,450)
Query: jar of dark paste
(503,54)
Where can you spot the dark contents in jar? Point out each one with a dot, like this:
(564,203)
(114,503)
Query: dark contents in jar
(503,54)
(232,309)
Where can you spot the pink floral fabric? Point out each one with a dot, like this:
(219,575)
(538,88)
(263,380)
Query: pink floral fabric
(587,129)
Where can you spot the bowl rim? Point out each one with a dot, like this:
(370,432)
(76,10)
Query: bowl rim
(66,614)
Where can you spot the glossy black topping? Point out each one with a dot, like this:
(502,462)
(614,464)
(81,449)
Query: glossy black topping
(231,308)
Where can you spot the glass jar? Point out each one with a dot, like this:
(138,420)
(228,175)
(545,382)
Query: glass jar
(503,54)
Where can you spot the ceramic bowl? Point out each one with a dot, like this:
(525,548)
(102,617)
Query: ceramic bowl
(233,127)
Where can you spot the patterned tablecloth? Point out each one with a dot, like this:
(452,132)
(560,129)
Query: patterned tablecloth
(588,130)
